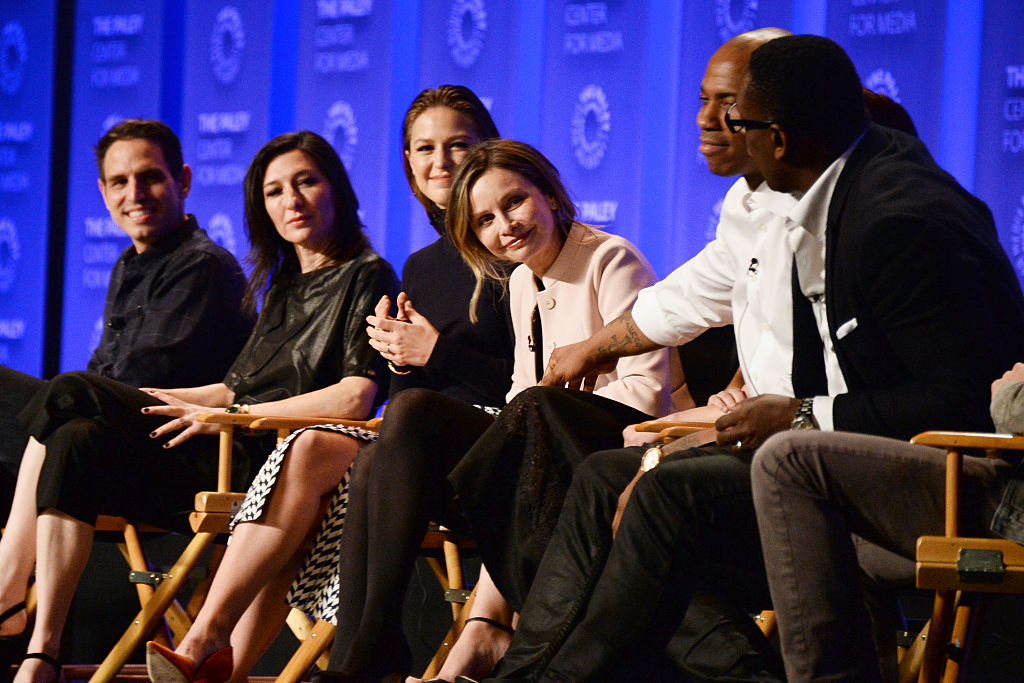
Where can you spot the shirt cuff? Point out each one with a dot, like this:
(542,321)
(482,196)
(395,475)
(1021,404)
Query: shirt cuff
(822,409)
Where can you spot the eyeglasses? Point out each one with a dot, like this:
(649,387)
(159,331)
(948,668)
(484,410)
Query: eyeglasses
(737,125)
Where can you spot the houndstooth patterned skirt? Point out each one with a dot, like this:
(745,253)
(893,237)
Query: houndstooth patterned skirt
(316,587)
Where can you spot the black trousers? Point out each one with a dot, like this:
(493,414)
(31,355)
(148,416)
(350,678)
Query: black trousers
(101,460)
(689,525)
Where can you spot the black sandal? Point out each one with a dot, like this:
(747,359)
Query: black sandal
(495,624)
(57,668)
(7,614)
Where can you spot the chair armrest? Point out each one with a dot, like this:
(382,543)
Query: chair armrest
(678,428)
(1008,442)
(293,423)
(235,419)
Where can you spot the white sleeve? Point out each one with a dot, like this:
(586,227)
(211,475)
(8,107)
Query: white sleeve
(697,294)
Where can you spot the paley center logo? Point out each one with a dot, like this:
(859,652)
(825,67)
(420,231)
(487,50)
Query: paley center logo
(221,231)
(883,82)
(342,132)
(10,253)
(1017,238)
(13,55)
(227,42)
(729,26)
(590,127)
(467,28)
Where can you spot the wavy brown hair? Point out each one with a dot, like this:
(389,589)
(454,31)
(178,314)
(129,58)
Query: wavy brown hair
(273,259)
(519,158)
(457,98)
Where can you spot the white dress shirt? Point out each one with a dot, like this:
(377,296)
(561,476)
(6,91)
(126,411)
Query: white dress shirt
(740,277)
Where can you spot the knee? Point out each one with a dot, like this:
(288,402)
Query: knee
(783,459)
(319,453)
(610,470)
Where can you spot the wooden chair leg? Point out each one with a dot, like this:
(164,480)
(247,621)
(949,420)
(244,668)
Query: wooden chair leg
(453,565)
(316,644)
(449,639)
(766,622)
(935,644)
(144,622)
(913,659)
(963,615)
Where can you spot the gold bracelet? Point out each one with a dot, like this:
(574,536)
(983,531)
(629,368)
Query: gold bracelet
(238,408)
(392,368)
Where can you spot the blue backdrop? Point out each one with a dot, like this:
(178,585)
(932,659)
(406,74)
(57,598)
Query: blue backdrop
(26,94)
(608,90)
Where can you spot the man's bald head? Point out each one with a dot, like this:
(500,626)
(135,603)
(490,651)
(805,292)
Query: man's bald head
(726,153)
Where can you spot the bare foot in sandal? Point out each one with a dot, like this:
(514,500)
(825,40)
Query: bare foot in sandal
(481,644)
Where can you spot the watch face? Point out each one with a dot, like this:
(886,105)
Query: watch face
(803,422)
(652,456)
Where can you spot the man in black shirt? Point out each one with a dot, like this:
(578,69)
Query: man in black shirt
(173,309)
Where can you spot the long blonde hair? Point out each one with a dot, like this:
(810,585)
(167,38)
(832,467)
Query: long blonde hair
(519,158)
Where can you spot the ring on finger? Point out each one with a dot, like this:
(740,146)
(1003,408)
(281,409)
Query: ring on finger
(387,349)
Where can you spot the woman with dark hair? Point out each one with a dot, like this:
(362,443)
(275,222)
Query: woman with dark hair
(572,279)
(105,446)
(432,346)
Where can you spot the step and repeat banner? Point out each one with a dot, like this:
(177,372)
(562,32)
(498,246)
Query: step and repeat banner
(608,90)
(592,102)
(118,69)
(897,46)
(225,110)
(343,92)
(26,96)
(999,171)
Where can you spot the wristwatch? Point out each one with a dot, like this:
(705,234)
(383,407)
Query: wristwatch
(804,418)
(652,456)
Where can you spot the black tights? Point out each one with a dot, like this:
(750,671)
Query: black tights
(398,485)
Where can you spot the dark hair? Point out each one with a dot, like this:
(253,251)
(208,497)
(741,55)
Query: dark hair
(270,255)
(810,87)
(457,98)
(887,112)
(511,155)
(143,129)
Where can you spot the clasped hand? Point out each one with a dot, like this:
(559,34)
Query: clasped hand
(184,414)
(405,339)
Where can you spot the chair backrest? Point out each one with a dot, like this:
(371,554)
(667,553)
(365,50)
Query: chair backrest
(709,362)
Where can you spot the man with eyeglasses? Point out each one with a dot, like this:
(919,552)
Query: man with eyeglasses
(904,307)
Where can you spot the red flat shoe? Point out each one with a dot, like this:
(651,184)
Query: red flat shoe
(166,666)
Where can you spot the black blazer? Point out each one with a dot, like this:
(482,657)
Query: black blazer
(915,259)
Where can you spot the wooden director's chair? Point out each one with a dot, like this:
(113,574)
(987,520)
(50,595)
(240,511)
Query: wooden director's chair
(957,568)
(210,519)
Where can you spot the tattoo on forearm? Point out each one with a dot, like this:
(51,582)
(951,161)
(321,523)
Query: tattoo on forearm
(629,342)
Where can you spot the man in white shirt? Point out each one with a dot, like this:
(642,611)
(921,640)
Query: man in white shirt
(882,341)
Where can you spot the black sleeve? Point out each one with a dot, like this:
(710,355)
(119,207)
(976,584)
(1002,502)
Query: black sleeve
(374,280)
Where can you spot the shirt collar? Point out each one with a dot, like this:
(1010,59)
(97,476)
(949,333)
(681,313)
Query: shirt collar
(763,197)
(166,245)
